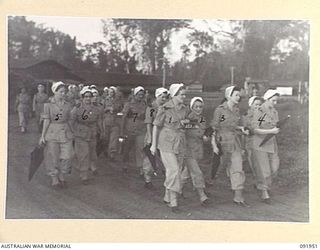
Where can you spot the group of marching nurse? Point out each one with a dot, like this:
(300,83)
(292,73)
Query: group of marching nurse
(173,132)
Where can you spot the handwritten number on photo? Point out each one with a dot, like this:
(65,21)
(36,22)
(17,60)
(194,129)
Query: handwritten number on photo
(135,117)
(57,117)
(84,117)
(261,119)
(151,112)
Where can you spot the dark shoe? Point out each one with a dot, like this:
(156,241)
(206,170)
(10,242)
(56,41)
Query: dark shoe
(267,201)
(63,184)
(148,185)
(175,210)
(206,203)
(85,182)
(207,193)
(241,203)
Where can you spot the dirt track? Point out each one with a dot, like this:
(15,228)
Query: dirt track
(115,195)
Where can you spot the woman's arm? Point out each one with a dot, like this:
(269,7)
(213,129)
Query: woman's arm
(155,134)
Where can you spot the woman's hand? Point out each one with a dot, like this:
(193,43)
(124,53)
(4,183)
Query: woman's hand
(274,130)
(215,150)
(184,122)
(42,141)
(153,149)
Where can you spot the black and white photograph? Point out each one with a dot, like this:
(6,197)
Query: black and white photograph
(157,119)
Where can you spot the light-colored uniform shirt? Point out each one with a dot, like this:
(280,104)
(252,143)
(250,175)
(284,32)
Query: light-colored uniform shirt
(225,122)
(134,112)
(110,117)
(194,135)
(59,129)
(23,101)
(86,120)
(172,135)
(264,118)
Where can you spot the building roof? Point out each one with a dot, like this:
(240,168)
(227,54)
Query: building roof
(25,63)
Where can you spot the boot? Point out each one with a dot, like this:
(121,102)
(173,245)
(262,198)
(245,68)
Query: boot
(55,181)
(166,198)
(238,198)
(204,200)
(265,196)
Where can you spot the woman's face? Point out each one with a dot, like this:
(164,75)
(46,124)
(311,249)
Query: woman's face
(111,92)
(256,104)
(197,107)
(273,100)
(60,93)
(235,98)
(181,96)
(162,99)
(140,95)
(94,97)
(41,88)
(87,98)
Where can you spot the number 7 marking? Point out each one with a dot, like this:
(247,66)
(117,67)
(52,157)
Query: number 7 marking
(135,117)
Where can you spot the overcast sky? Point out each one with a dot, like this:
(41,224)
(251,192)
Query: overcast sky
(89,30)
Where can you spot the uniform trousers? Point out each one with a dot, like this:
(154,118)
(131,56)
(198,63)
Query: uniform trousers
(58,157)
(86,155)
(135,142)
(266,166)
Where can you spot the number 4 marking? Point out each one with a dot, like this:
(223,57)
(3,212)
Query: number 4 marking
(261,119)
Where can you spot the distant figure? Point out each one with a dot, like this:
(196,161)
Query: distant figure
(39,99)
(23,102)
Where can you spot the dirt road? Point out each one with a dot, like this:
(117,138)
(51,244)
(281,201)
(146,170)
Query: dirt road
(116,195)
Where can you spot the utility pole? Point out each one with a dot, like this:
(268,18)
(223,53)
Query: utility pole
(232,74)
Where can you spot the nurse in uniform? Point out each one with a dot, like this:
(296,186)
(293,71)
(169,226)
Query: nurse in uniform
(194,138)
(39,100)
(161,95)
(134,128)
(169,126)
(86,120)
(226,122)
(57,136)
(266,159)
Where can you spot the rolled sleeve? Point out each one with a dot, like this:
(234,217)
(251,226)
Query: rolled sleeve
(46,111)
(160,118)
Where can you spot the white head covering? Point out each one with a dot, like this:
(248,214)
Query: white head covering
(252,99)
(84,90)
(56,85)
(160,91)
(105,88)
(174,88)
(270,93)
(94,91)
(194,99)
(114,88)
(93,86)
(229,91)
(137,89)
